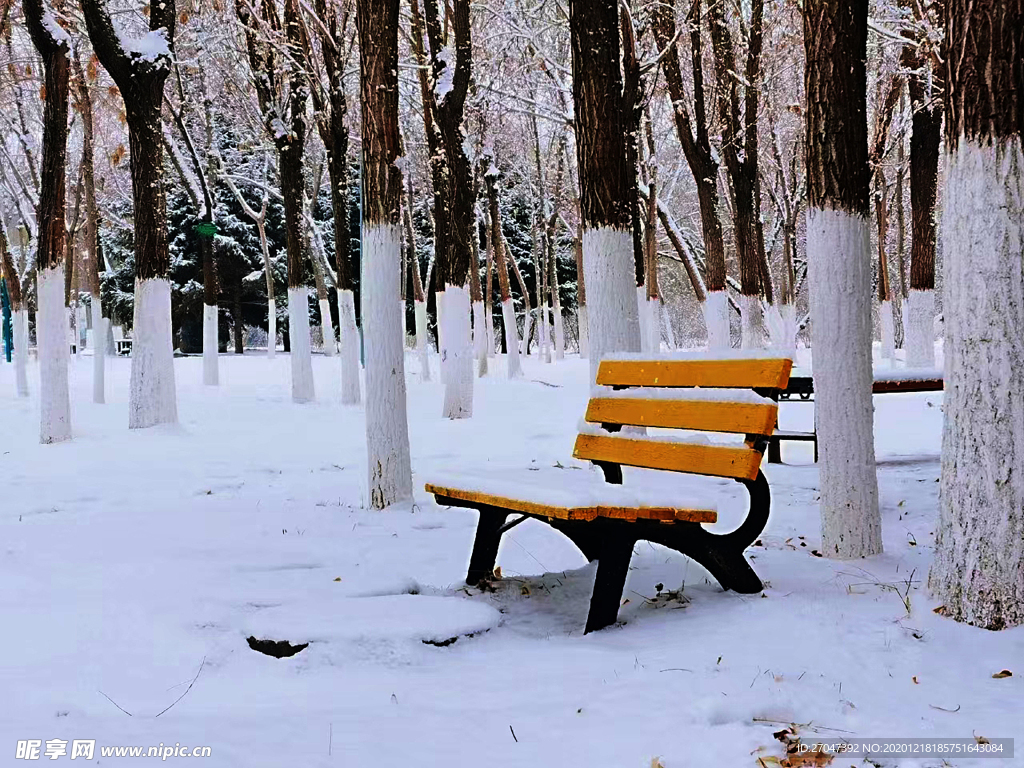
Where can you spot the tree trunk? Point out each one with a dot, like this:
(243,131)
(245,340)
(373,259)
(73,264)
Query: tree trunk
(838,252)
(418,296)
(83,99)
(605,193)
(978,569)
(508,315)
(387,426)
(51,322)
(152,398)
(924,161)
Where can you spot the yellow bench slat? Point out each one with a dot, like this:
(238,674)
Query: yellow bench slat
(715,460)
(664,514)
(746,373)
(705,415)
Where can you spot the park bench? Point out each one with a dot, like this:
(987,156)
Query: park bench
(801,389)
(699,395)
(122,344)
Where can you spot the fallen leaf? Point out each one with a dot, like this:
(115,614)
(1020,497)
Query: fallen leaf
(337,578)
(980,739)
(656,763)
(816,553)
(914,678)
(1002,673)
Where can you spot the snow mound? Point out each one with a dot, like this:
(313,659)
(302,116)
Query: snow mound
(414,617)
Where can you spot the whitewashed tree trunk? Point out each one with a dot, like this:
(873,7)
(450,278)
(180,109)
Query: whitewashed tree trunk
(456,352)
(838,253)
(654,324)
(348,348)
(885,318)
(422,347)
(920,339)
(751,322)
(489,324)
(152,398)
(211,376)
(387,427)
(327,326)
(559,333)
(80,325)
(584,331)
(716,318)
(99,338)
(611,293)
(480,333)
(508,317)
(781,322)
(20,323)
(271,327)
(301,349)
(666,320)
(524,348)
(52,348)
(978,570)
(644,315)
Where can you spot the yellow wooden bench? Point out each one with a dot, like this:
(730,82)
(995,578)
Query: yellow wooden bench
(703,395)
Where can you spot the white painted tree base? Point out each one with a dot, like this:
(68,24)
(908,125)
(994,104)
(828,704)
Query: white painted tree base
(489,324)
(752,324)
(456,353)
(152,398)
(53,351)
(327,329)
(888,330)
(838,252)
(508,317)
(348,348)
(480,333)
(99,356)
(559,324)
(422,342)
(716,318)
(301,347)
(610,277)
(780,320)
(271,328)
(584,330)
(211,348)
(920,340)
(389,467)
(20,322)
(978,567)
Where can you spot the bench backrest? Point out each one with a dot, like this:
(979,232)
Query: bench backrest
(703,395)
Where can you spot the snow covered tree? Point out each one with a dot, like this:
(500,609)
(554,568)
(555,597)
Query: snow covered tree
(608,257)
(139,67)
(838,252)
(387,425)
(978,570)
(508,315)
(282,92)
(54,47)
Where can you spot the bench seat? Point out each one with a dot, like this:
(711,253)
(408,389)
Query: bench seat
(568,500)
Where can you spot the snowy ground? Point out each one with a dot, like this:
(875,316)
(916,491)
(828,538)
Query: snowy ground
(129,558)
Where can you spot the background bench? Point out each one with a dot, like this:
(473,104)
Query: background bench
(733,397)
(800,389)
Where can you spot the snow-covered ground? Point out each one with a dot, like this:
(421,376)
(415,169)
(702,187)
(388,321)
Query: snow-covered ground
(130,561)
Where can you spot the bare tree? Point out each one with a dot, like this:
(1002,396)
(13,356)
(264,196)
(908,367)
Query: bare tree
(508,314)
(387,427)
(694,139)
(276,62)
(605,194)
(19,313)
(140,70)
(54,47)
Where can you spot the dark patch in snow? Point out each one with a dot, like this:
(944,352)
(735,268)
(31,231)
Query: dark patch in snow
(279,649)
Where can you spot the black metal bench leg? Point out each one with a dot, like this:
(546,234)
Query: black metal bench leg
(485,545)
(613,559)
